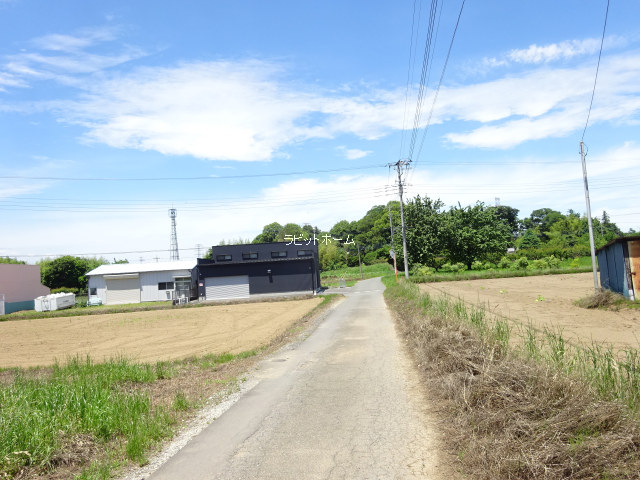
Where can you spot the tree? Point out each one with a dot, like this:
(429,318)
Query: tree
(68,271)
(474,233)
(289,231)
(11,260)
(269,233)
(424,232)
(541,221)
(508,215)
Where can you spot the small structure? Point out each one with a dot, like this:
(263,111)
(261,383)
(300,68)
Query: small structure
(142,282)
(619,263)
(267,269)
(19,286)
(55,301)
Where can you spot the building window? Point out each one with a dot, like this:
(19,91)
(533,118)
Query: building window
(223,258)
(279,254)
(93,291)
(305,253)
(250,256)
(165,286)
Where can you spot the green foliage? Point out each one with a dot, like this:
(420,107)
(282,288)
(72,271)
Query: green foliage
(521,263)
(68,271)
(11,260)
(474,233)
(65,290)
(425,231)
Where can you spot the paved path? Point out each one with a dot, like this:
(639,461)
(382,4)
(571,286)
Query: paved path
(340,405)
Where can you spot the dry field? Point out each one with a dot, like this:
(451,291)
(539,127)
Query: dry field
(547,301)
(149,336)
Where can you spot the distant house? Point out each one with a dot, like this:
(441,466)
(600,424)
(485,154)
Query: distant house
(619,264)
(263,269)
(19,286)
(143,282)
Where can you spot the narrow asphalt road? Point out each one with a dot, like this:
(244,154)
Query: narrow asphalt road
(343,404)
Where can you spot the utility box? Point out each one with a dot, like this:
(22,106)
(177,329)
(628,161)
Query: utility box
(55,301)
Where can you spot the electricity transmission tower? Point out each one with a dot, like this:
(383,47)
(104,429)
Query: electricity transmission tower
(173,248)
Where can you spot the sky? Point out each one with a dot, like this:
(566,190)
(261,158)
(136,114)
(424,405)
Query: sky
(239,114)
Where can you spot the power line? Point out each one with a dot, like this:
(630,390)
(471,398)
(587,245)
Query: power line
(208,177)
(593,92)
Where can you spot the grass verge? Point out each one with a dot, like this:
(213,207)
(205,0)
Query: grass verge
(542,409)
(484,274)
(86,420)
(351,275)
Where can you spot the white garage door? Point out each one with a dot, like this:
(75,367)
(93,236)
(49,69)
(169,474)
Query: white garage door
(123,290)
(225,288)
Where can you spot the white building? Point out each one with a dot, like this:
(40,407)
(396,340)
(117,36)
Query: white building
(143,282)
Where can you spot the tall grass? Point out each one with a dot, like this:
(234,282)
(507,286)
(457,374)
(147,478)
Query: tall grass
(522,403)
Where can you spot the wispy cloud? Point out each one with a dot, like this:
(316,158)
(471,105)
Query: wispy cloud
(354,153)
(61,57)
(243,111)
(542,103)
(566,50)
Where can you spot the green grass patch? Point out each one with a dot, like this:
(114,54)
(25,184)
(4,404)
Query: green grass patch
(38,415)
(351,275)
(497,273)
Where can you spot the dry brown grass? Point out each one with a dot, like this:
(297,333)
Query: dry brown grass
(508,417)
(603,298)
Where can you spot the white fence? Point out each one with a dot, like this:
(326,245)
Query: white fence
(1,303)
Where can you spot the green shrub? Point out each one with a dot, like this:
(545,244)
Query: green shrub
(552,261)
(540,264)
(66,290)
(521,263)
(420,270)
(477,265)
(505,262)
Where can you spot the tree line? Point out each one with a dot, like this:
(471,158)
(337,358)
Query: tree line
(436,237)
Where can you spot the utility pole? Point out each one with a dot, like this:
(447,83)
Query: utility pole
(586,196)
(398,166)
(359,262)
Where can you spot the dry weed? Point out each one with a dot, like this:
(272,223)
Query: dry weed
(514,418)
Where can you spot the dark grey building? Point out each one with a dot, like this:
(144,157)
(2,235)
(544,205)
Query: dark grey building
(241,271)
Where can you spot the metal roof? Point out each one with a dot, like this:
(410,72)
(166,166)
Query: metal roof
(121,268)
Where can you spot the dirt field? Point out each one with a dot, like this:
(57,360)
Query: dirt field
(548,301)
(149,336)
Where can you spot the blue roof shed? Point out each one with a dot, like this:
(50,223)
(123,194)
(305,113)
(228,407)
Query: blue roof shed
(619,263)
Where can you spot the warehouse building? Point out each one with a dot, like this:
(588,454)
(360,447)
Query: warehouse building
(263,269)
(143,282)
(619,264)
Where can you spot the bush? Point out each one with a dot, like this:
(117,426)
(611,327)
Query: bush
(421,270)
(505,262)
(66,290)
(456,267)
(553,262)
(521,263)
(477,265)
(538,265)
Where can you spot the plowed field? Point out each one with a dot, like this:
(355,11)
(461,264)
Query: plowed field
(548,301)
(149,336)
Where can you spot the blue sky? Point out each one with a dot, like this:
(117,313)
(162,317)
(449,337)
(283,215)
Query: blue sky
(239,114)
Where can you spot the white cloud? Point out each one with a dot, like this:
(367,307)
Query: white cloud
(542,103)
(537,54)
(223,110)
(354,153)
